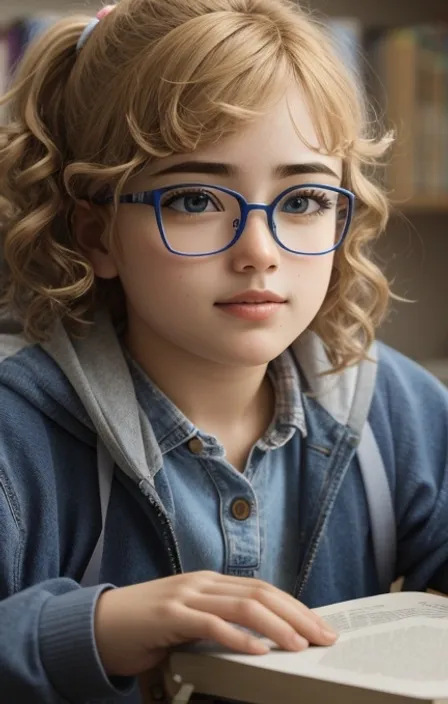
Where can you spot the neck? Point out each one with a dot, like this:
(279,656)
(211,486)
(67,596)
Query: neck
(220,400)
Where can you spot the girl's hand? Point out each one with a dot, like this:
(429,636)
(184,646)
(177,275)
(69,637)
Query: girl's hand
(135,625)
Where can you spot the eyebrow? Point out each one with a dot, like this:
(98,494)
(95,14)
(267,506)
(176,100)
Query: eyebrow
(221,169)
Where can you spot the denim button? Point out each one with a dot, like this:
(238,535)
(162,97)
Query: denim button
(240,509)
(195,445)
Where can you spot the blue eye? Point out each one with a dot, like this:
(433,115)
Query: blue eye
(306,203)
(190,202)
(298,205)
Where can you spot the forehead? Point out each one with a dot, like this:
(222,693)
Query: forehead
(285,124)
(283,133)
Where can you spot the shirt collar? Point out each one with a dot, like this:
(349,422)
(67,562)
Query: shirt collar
(172,428)
(289,413)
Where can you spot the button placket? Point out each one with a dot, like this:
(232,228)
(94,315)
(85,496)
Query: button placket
(239,517)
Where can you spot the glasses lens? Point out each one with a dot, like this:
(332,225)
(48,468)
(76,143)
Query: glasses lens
(199,219)
(311,220)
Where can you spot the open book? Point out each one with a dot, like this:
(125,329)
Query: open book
(392,649)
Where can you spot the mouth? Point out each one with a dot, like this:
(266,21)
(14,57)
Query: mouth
(255,297)
(253,306)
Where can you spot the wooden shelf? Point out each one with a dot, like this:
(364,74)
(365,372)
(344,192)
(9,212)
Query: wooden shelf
(424,205)
(383,12)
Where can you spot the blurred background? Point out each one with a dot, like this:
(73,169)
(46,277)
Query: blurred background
(398,51)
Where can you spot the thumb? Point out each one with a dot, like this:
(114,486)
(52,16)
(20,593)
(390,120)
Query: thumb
(155,657)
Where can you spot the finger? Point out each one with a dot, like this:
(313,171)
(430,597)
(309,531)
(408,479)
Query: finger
(290,609)
(253,615)
(252,584)
(197,625)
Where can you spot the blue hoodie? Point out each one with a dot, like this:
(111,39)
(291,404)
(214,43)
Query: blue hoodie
(57,398)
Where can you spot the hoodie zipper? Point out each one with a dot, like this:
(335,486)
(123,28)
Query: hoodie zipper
(168,535)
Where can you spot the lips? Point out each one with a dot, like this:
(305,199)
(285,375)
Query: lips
(253,306)
(254,297)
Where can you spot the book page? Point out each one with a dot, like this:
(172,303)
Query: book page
(395,643)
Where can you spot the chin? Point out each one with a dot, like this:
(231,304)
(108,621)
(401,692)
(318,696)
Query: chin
(251,355)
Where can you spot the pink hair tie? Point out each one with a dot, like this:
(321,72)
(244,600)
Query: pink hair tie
(104,11)
(101,14)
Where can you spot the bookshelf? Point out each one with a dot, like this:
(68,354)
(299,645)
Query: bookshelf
(414,251)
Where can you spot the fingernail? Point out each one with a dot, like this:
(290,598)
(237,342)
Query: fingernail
(329,634)
(299,642)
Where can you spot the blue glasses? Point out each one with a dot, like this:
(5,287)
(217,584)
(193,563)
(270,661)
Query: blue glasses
(198,220)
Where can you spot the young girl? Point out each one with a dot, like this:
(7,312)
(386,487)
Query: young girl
(186,221)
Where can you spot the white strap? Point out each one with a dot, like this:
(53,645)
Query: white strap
(105,464)
(364,390)
(381,508)
(184,694)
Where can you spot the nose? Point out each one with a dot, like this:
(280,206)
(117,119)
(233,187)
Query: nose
(256,248)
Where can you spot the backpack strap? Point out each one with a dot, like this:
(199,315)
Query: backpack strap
(105,464)
(381,508)
(373,472)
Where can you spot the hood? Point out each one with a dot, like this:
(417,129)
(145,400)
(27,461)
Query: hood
(84,385)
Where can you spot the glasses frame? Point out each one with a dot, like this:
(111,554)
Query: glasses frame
(153,198)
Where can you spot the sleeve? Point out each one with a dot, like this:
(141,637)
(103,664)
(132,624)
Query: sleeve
(410,422)
(48,652)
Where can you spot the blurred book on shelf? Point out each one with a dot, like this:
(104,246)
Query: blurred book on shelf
(13,41)
(410,81)
(4,69)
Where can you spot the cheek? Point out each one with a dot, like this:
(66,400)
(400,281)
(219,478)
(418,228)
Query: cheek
(310,286)
(142,259)
(313,277)
(156,282)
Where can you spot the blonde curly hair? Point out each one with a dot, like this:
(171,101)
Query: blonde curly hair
(158,77)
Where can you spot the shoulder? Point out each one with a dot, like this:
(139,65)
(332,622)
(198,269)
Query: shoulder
(42,447)
(42,420)
(404,385)
(409,418)
(21,369)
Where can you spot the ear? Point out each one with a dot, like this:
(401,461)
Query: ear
(89,231)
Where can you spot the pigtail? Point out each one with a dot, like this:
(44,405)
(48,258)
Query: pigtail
(35,233)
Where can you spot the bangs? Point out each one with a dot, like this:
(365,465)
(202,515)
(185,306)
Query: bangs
(222,75)
(210,87)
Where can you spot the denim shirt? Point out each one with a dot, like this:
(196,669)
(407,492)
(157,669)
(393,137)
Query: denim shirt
(238,523)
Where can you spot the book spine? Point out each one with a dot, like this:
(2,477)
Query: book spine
(428,171)
(444,110)
(4,71)
(398,69)
(18,36)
